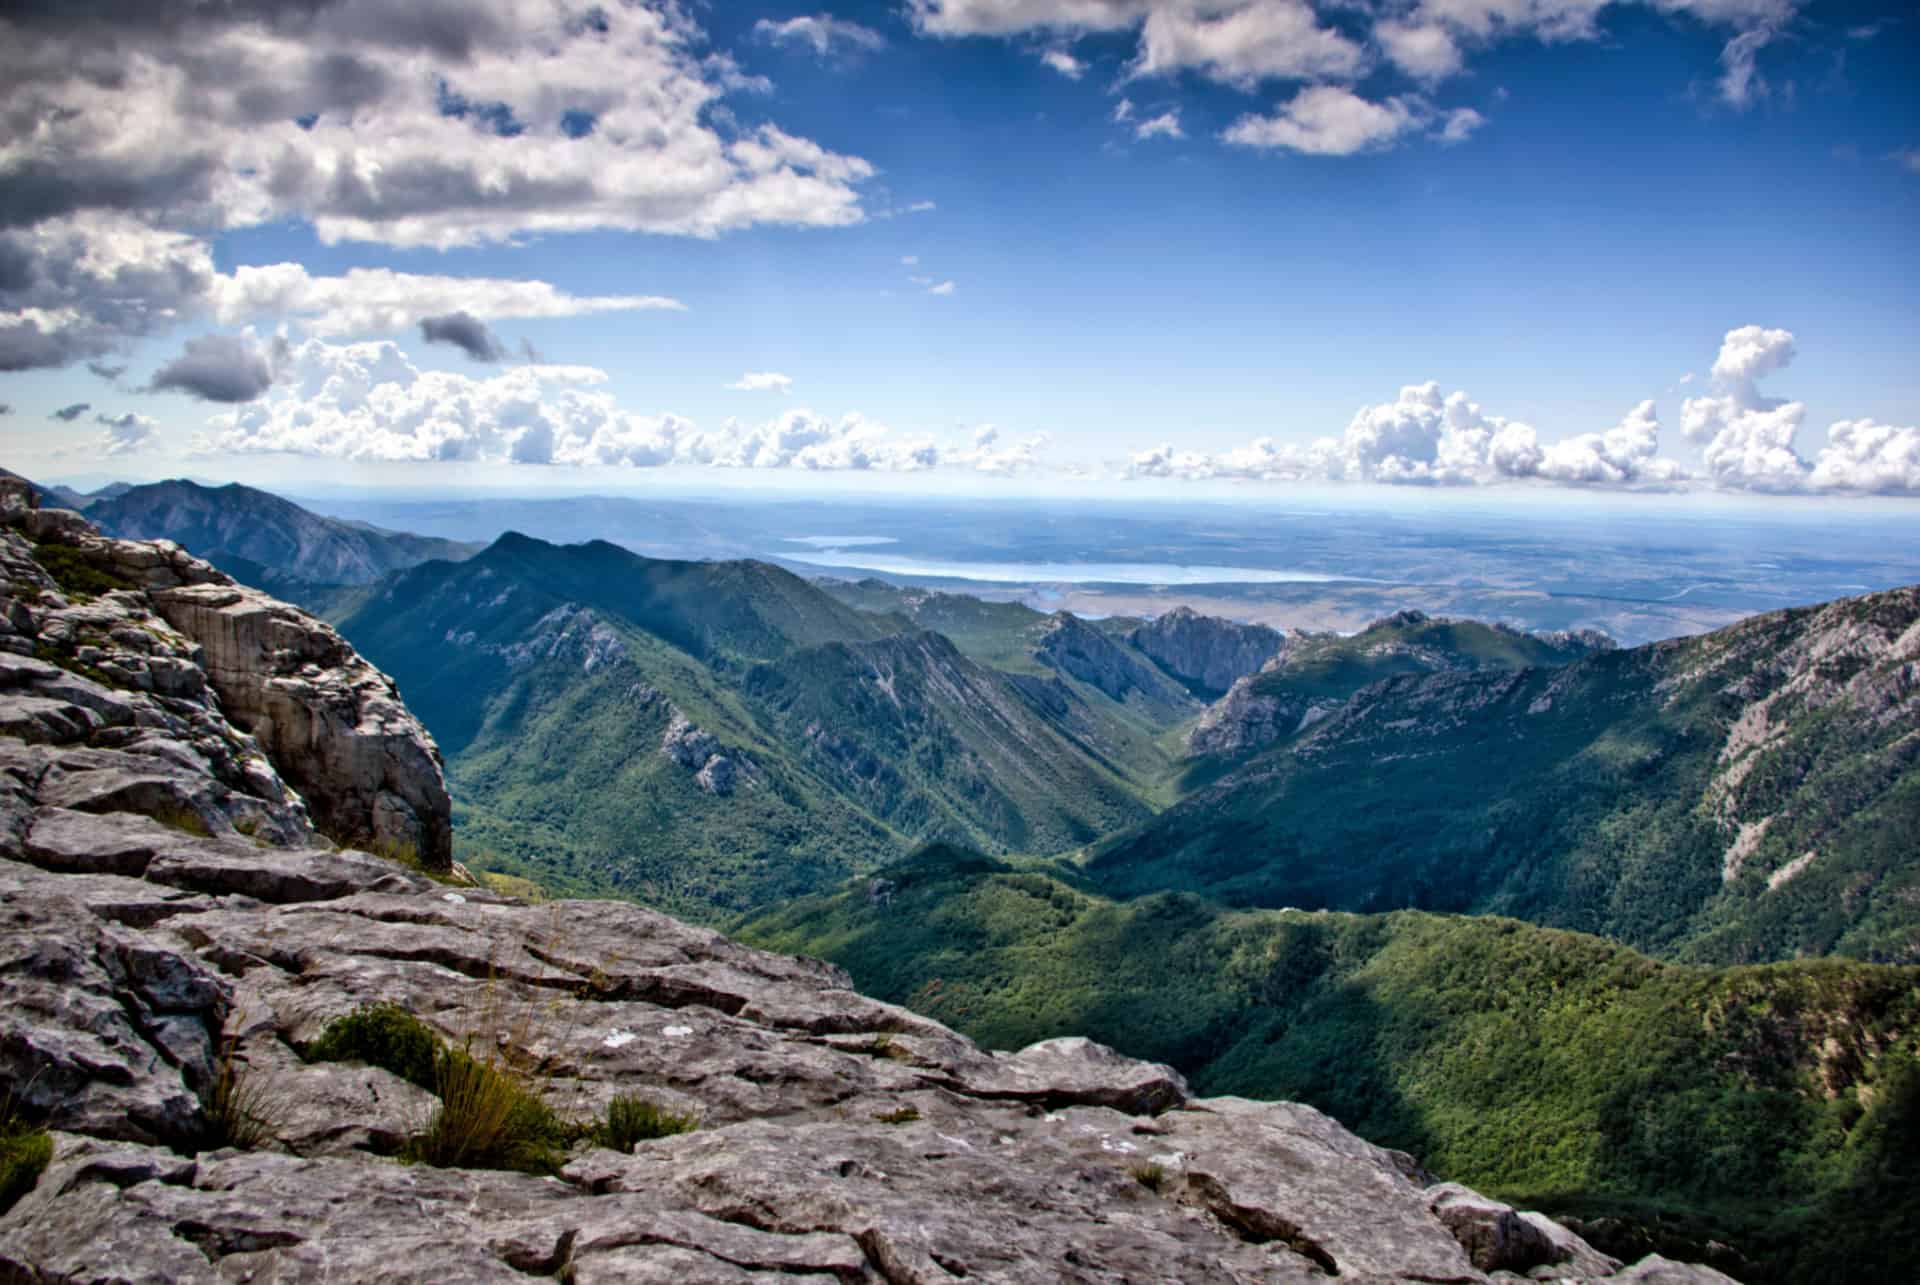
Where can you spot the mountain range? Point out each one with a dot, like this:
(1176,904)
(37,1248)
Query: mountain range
(1628,933)
(260,538)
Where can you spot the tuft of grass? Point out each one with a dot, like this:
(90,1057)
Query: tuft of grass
(25,1152)
(407,856)
(632,1119)
(488,1119)
(900,1115)
(386,1036)
(241,1108)
(76,576)
(183,819)
(1151,1176)
(883,1046)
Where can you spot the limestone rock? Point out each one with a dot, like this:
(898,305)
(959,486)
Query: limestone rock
(1206,651)
(1495,1236)
(181,693)
(368,770)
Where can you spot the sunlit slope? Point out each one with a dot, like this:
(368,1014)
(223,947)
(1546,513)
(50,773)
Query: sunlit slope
(1748,794)
(1753,1104)
(715,736)
(941,747)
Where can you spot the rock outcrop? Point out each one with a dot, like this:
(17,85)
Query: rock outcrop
(1080,650)
(170,935)
(841,1138)
(153,669)
(1245,719)
(1206,652)
(1316,675)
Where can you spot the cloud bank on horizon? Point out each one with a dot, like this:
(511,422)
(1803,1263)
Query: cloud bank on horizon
(140,144)
(1425,438)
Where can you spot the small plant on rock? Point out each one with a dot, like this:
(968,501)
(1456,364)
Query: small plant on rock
(1151,1176)
(632,1119)
(899,1115)
(240,1106)
(488,1119)
(884,1046)
(386,1036)
(25,1152)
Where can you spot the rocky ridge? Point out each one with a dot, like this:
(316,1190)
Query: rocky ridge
(1208,652)
(1316,675)
(149,665)
(1079,650)
(145,958)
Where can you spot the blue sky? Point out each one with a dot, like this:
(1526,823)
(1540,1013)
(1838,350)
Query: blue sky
(1557,209)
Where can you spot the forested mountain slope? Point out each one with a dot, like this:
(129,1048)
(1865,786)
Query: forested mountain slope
(1745,795)
(716,736)
(1775,1109)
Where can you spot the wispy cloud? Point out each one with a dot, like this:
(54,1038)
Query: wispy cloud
(1165,125)
(823,32)
(1064,63)
(762,381)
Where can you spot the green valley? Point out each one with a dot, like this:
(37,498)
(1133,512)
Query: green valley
(1773,1108)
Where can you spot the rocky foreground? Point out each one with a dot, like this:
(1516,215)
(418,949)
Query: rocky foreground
(173,922)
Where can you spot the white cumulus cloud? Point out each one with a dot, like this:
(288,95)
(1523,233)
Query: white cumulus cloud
(367,401)
(1064,63)
(1327,120)
(137,132)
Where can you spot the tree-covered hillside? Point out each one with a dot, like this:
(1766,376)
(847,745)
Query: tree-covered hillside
(1776,1108)
(718,736)
(1750,794)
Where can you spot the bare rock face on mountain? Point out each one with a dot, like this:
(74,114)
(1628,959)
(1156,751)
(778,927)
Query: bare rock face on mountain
(1206,651)
(141,649)
(1244,719)
(1315,675)
(366,767)
(170,937)
(1079,650)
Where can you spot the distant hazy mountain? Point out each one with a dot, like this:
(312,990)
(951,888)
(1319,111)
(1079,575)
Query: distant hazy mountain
(720,735)
(1313,674)
(261,539)
(1749,794)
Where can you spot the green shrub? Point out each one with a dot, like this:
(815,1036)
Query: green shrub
(488,1119)
(633,1119)
(883,1046)
(386,1036)
(25,1152)
(900,1115)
